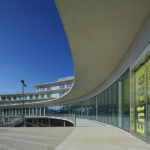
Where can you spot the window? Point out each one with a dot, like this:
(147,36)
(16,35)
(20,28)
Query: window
(36,96)
(69,85)
(3,98)
(14,97)
(109,106)
(126,101)
(62,86)
(31,97)
(56,87)
(55,95)
(48,95)
(18,97)
(119,105)
(61,93)
(48,88)
(114,105)
(41,95)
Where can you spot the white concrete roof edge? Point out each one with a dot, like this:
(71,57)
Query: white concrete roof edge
(100,33)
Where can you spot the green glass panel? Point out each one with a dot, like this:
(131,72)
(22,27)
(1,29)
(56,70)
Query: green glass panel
(114,104)
(126,101)
(109,106)
(120,104)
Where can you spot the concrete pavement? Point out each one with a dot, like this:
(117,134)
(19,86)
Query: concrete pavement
(90,135)
(101,138)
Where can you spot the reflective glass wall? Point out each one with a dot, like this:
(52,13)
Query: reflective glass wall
(111,106)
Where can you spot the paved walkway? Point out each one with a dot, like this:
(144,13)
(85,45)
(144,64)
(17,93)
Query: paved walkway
(87,123)
(32,138)
(89,136)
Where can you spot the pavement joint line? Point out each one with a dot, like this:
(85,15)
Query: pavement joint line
(65,139)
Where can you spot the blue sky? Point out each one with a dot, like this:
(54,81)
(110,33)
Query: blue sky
(33,44)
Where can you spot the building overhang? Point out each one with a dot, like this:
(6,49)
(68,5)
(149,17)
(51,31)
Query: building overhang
(60,81)
(100,34)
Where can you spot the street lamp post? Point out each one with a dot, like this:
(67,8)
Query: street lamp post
(23,118)
(9,111)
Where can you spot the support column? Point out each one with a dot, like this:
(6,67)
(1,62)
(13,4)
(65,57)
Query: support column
(36,111)
(40,111)
(49,121)
(44,111)
(64,123)
(3,116)
(3,112)
(33,111)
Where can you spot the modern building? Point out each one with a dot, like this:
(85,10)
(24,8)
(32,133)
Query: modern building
(110,45)
(50,90)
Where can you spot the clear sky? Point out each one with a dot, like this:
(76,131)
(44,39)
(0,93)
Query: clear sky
(33,44)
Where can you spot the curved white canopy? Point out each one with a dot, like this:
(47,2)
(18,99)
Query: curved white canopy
(100,33)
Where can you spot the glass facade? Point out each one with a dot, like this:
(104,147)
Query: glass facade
(44,92)
(62,86)
(55,87)
(69,85)
(126,102)
(61,93)
(54,95)
(111,106)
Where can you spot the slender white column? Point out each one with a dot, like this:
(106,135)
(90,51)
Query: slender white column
(33,111)
(3,115)
(40,111)
(44,111)
(36,111)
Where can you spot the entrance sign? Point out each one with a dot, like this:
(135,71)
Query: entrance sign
(140,99)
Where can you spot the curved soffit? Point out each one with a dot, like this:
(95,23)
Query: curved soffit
(100,33)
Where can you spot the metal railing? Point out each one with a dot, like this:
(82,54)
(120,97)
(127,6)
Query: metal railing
(13,121)
(68,117)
